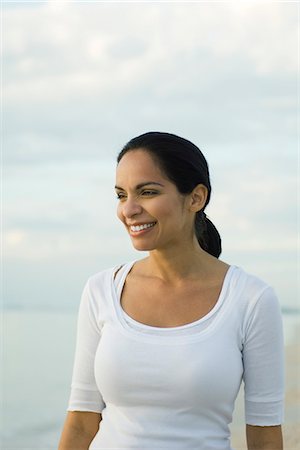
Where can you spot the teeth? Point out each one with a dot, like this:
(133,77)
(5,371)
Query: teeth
(142,227)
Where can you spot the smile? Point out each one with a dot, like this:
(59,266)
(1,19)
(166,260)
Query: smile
(145,226)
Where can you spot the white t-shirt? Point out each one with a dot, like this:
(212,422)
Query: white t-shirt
(175,388)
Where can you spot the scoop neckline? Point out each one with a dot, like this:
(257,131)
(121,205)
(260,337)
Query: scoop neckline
(123,316)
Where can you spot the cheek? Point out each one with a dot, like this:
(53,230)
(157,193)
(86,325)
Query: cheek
(174,216)
(169,211)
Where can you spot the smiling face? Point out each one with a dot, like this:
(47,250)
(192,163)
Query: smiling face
(154,213)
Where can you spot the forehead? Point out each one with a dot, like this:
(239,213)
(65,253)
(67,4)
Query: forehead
(137,166)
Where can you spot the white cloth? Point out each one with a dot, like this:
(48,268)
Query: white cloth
(175,388)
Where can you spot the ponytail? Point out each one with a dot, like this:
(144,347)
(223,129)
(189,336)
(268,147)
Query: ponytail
(207,234)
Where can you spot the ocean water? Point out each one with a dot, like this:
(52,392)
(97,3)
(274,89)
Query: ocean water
(37,361)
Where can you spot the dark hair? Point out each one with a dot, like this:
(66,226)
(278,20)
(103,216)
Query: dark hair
(183,164)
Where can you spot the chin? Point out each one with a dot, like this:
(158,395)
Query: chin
(143,247)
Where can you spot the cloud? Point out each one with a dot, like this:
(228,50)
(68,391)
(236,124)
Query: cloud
(81,79)
(92,75)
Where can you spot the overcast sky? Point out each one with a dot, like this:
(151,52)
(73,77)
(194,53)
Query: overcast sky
(82,78)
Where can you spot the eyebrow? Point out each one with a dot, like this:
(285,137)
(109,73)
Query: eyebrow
(139,186)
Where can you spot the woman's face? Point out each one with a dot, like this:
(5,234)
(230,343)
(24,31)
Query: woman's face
(154,213)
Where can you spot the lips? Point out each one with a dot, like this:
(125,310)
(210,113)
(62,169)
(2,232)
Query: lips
(142,226)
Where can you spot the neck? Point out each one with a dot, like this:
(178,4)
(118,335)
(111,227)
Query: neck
(177,264)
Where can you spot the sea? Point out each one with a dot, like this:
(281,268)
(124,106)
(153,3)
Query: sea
(37,351)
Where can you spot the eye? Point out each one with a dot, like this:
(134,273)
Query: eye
(145,193)
(120,195)
(149,192)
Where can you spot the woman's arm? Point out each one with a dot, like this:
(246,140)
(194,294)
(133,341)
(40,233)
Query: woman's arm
(264,438)
(263,360)
(85,401)
(79,430)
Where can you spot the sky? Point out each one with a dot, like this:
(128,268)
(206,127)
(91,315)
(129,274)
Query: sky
(80,79)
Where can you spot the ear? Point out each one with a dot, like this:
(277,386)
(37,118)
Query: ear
(198,197)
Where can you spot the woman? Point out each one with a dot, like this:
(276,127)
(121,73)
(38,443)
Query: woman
(164,342)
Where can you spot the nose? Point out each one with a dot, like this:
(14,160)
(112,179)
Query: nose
(131,208)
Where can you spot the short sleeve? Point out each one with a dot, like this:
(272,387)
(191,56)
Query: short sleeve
(85,395)
(263,359)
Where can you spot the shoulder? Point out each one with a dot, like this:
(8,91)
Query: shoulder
(250,291)
(101,276)
(252,282)
(97,293)
(250,285)
(103,279)
(256,298)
